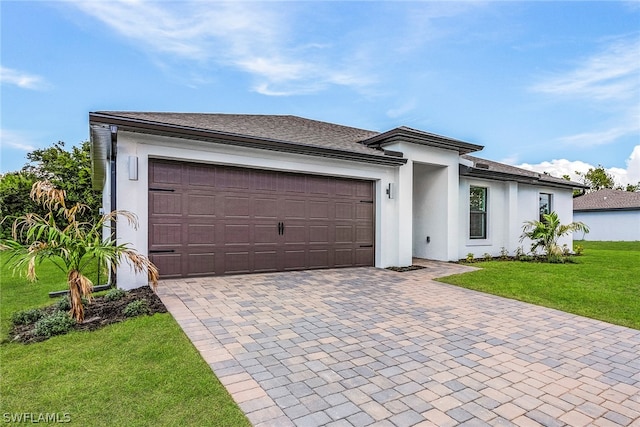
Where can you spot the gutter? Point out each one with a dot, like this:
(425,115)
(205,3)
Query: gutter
(475,172)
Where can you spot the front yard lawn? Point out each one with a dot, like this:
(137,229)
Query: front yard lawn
(603,284)
(141,372)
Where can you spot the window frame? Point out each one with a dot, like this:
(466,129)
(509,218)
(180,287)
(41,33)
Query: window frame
(549,209)
(483,214)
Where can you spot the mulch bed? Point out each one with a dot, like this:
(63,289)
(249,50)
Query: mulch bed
(97,314)
(405,269)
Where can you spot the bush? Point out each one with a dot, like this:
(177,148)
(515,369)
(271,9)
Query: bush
(24,317)
(114,294)
(136,308)
(64,303)
(56,323)
(487,256)
(470,257)
(578,250)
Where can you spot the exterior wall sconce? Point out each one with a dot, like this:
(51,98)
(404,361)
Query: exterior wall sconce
(133,168)
(390,191)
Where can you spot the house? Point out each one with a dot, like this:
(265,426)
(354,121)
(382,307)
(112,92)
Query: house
(610,214)
(230,193)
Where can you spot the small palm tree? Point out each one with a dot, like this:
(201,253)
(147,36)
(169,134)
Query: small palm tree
(545,234)
(69,243)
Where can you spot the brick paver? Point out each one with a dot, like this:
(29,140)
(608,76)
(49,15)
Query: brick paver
(366,346)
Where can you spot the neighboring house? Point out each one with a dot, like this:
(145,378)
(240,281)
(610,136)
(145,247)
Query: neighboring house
(228,193)
(612,215)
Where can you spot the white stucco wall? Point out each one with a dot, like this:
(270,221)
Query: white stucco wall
(509,205)
(610,225)
(132,195)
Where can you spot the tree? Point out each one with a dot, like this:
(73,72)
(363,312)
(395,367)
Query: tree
(14,198)
(67,170)
(633,188)
(71,246)
(597,178)
(545,234)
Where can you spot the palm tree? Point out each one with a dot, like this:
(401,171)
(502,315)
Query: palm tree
(545,234)
(70,244)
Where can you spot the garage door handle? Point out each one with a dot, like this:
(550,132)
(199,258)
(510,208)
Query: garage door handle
(280,228)
(163,251)
(366,246)
(171,190)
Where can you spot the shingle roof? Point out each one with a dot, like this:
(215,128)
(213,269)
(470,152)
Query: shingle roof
(488,168)
(283,128)
(607,199)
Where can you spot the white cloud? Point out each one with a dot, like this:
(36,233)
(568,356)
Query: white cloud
(612,74)
(16,140)
(21,79)
(602,137)
(561,167)
(251,37)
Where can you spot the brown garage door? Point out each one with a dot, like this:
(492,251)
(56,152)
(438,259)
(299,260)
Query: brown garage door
(211,220)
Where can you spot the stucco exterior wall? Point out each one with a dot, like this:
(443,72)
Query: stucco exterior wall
(132,194)
(610,225)
(509,205)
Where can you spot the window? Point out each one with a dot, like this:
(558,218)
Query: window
(477,213)
(545,204)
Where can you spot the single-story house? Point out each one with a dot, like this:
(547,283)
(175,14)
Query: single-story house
(612,215)
(233,193)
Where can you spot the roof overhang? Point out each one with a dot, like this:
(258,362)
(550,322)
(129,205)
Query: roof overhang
(481,173)
(608,209)
(164,129)
(414,136)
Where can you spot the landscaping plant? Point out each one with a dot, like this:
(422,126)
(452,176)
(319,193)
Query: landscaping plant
(70,243)
(545,234)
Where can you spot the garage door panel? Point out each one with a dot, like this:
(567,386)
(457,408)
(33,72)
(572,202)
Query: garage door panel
(236,262)
(169,265)
(200,204)
(344,234)
(343,257)
(318,209)
(294,209)
(166,173)
(265,208)
(364,256)
(165,203)
(236,233)
(344,210)
(319,234)
(201,234)
(201,175)
(265,234)
(166,234)
(228,220)
(319,258)
(295,259)
(202,264)
(265,261)
(236,206)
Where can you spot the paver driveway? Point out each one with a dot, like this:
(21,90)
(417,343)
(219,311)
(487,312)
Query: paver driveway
(366,346)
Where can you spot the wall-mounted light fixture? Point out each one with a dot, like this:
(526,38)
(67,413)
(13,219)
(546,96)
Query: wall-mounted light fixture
(390,191)
(133,168)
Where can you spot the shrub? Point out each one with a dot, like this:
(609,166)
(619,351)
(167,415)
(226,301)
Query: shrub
(64,303)
(578,250)
(136,308)
(24,317)
(470,257)
(56,323)
(504,253)
(114,294)
(519,253)
(487,256)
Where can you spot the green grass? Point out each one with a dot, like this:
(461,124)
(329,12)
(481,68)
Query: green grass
(141,372)
(603,284)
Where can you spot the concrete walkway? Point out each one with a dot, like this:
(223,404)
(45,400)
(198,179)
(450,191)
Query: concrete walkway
(366,346)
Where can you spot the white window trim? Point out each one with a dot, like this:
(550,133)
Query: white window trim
(479,242)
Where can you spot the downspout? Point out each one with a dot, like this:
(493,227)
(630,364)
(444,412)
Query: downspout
(113,280)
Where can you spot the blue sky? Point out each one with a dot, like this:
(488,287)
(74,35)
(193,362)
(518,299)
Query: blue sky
(548,85)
